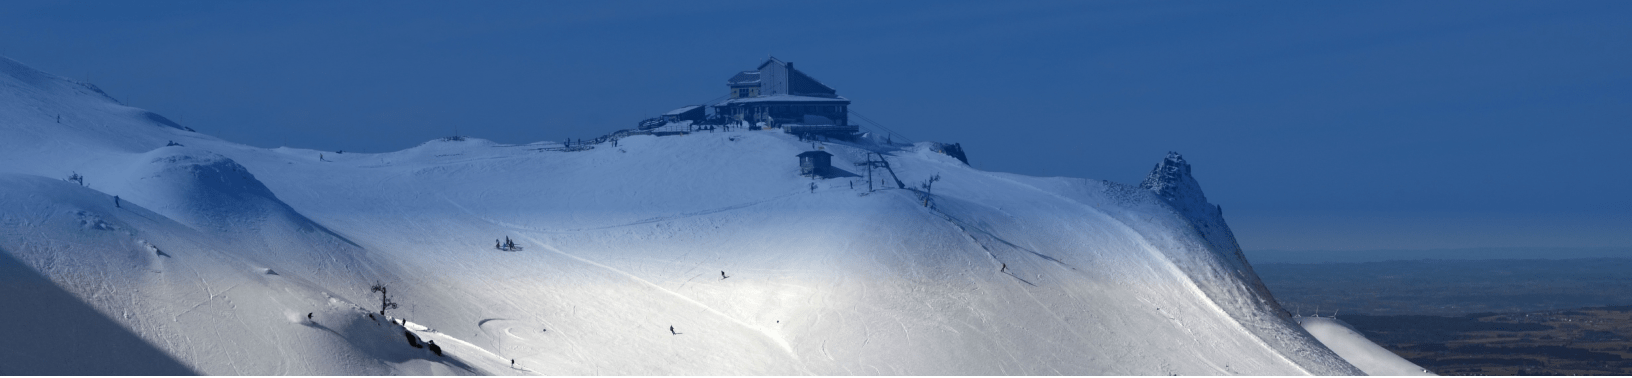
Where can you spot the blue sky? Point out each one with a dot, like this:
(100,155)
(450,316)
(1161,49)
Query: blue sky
(1317,125)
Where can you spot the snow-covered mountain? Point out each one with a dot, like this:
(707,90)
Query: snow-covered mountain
(705,253)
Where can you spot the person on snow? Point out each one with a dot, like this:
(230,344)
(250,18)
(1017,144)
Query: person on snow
(1005,268)
(496,244)
(671,330)
(115,201)
(308,316)
(723,276)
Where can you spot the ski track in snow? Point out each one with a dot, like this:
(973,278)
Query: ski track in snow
(598,228)
(1173,269)
(767,333)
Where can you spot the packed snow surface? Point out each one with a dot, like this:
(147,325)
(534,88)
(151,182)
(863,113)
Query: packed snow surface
(1355,348)
(703,254)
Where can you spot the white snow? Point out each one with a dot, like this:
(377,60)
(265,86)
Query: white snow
(218,250)
(1355,348)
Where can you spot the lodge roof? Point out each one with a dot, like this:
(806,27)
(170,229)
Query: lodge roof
(787,98)
(744,78)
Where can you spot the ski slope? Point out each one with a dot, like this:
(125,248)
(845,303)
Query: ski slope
(217,251)
(1356,349)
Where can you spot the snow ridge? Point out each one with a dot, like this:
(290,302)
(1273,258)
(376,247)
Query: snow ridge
(1221,269)
(1172,182)
(241,260)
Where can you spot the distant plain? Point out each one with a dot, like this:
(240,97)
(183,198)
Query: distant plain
(1472,312)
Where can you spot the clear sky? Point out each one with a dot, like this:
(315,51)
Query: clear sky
(1317,125)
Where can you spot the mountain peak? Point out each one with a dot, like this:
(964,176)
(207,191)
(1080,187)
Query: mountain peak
(1172,181)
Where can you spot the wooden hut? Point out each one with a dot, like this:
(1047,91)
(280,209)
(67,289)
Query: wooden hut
(815,163)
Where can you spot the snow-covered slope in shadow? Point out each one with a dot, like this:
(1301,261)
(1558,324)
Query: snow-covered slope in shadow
(47,323)
(697,254)
(198,188)
(211,193)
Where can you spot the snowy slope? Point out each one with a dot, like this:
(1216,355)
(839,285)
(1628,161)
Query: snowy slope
(1355,348)
(998,274)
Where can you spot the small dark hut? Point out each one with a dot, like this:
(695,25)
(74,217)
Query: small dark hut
(815,163)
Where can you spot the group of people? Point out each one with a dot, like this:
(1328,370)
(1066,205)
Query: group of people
(507,245)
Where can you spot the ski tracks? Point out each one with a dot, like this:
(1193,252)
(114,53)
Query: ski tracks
(638,222)
(781,342)
(1188,282)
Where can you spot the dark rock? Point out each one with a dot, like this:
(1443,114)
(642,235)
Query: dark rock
(412,340)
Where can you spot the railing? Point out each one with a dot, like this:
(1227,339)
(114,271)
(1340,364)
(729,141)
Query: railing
(651,123)
(820,129)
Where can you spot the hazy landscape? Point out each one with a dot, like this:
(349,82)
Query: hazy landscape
(1475,317)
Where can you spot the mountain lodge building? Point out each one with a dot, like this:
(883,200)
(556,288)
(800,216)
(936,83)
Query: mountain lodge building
(780,96)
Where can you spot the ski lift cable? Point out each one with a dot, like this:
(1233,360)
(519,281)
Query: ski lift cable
(880,126)
(898,138)
(716,99)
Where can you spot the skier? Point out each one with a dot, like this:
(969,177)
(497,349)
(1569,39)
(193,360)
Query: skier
(115,201)
(308,316)
(722,275)
(671,330)
(1005,268)
(496,244)
(813,187)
